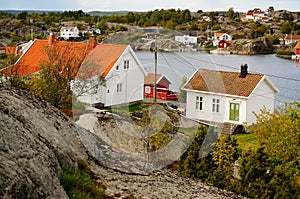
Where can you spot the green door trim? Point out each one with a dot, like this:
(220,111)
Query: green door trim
(234,111)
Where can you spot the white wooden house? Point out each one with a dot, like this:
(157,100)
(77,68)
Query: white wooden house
(228,97)
(186,39)
(220,36)
(122,71)
(68,32)
(290,39)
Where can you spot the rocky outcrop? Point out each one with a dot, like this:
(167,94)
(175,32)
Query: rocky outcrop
(36,139)
(251,46)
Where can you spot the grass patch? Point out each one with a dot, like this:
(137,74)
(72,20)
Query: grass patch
(127,110)
(246,141)
(78,184)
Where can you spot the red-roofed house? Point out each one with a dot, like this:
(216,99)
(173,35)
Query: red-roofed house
(257,15)
(162,87)
(2,47)
(297,49)
(289,39)
(117,64)
(228,97)
(122,71)
(222,40)
(297,52)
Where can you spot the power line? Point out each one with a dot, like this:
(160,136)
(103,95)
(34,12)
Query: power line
(226,66)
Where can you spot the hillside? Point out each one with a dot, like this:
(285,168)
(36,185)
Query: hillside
(36,139)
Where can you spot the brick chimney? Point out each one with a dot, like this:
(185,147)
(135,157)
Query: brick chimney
(244,70)
(92,41)
(51,39)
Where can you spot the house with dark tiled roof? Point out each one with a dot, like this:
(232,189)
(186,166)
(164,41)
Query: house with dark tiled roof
(116,64)
(228,98)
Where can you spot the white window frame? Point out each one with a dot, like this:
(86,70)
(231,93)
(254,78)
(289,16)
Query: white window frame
(148,89)
(119,88)
(216,105)
(126,64)
(199,103)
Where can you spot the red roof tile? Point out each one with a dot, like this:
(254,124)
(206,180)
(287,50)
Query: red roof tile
(292,37)
(33,59)
(102,56)
(223,82)
(101,59)
(11,50)
(149,79)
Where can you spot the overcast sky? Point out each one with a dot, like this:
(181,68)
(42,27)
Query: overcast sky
(146,5)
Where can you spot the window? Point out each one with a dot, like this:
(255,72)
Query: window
(148,89)
(119,88)
(199,103)
(215,105)
(117,67)
(126,64)
(225,37)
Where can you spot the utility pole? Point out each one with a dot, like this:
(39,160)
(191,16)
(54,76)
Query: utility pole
(155,74)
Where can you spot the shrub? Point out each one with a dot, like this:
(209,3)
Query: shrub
(78,184)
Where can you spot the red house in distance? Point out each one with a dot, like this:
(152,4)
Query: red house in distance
(162,87)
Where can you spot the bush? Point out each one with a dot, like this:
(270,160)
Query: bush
(284,52)
(78,184)
(3,56)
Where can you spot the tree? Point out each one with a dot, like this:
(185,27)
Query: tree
(182,93)
(22,15)
(273,171)
(280,131)
(52,83)
(230,14)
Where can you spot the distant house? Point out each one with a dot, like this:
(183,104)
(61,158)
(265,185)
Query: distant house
(229,98)
(151,36)
(186,39)
(11,50)
(92,31)
(222,40)
(297,49)
(297,52)
(2,47)
(257,15)
(162,87)
(290,38)
(69,32)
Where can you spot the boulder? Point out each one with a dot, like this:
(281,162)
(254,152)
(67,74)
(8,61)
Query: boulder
(251,46)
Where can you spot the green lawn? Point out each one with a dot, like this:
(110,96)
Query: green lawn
(246,141)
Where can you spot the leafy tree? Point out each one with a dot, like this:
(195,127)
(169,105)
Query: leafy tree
(53,81)
(258,30)
(182,93)
(22,15)
(280,131)
(287,16)
(273,171)
(224,156)
(230,14)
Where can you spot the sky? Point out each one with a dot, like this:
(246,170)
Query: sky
(146,5)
